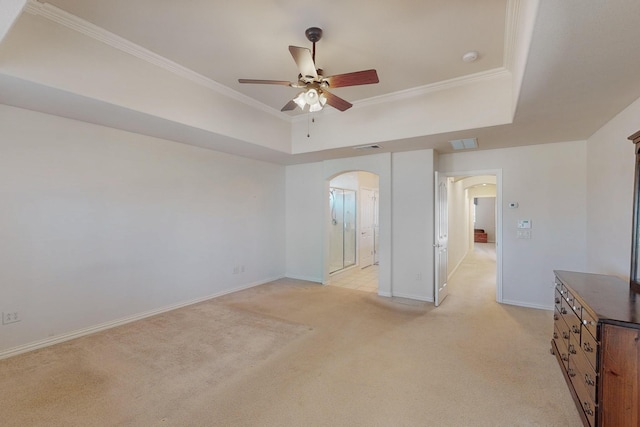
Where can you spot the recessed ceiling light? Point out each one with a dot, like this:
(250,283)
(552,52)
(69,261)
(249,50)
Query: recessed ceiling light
(470,56)
(464,144)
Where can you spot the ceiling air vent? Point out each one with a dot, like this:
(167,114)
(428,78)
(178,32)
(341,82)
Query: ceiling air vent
(464,144)
(367,147)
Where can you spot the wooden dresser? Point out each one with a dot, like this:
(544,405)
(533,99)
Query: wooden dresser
(596,340)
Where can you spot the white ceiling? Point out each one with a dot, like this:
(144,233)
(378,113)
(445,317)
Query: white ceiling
(582,66)
(410,43)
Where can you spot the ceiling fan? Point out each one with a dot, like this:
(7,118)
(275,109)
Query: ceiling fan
(314,83)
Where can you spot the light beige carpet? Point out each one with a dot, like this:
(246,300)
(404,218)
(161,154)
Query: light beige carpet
(292,353)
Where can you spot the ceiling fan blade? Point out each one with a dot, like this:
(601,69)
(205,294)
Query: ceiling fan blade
(291,105)
(337,102)
(304,61)
(265,82)
(365,77)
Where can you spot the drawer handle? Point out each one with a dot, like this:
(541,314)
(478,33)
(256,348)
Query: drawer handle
(555,316)
(565,357)
(564,311)
(572,349)
(587,408)
(589,380)
(555,335)
(575,329)
(565,335)
(571,372)
(587,347)
(588,322)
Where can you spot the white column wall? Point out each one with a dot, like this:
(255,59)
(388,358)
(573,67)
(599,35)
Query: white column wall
(413,222)
(305,210)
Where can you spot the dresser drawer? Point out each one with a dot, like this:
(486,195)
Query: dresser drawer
(563,328)
(573,323)
(585,374)
(562,346)
(558,301)
(571,302)
(589,347)
(590,323)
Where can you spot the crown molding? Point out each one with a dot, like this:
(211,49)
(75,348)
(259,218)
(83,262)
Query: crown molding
(88,29)
(496,73)
(511,33)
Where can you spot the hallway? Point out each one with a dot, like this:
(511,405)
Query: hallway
(475,277)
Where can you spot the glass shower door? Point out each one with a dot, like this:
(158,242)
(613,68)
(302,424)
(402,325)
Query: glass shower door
(342,235)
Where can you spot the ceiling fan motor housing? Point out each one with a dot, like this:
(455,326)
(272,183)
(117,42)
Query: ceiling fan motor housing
(313,34)
(314,83)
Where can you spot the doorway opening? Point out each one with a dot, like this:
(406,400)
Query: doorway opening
(353,231)
(474,228)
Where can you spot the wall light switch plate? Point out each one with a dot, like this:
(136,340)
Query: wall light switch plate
(524,234)
(524,223)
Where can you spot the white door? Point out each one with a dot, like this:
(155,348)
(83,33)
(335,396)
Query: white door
(367,226)
(441,231)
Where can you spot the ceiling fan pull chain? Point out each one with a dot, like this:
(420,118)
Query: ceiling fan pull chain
(313,120)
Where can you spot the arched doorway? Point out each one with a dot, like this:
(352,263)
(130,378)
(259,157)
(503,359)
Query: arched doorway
(353,231)
(379,164)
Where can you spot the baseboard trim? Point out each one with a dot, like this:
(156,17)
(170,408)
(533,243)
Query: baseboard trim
(414,297)
(457,265)
(36,345)
(527,305)
(305,278)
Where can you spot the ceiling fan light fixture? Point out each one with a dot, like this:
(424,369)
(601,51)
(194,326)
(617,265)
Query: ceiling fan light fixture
(300,101)
(322,98)
(311,96)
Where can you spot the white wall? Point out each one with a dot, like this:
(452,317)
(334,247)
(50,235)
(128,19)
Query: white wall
(99,225)
(610,166)
(305,208)
(405,244)
(549,183)
(459,224)
(413,222)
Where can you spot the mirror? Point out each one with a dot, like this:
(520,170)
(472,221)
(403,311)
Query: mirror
(635,242)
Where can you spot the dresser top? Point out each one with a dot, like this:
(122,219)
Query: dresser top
(609,297)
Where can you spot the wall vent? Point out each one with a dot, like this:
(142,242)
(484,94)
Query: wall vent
(367,147)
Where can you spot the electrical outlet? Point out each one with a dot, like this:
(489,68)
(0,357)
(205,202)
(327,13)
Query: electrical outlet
(10,317)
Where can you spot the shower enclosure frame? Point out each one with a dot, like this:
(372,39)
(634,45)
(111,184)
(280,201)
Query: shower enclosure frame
(343,207)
